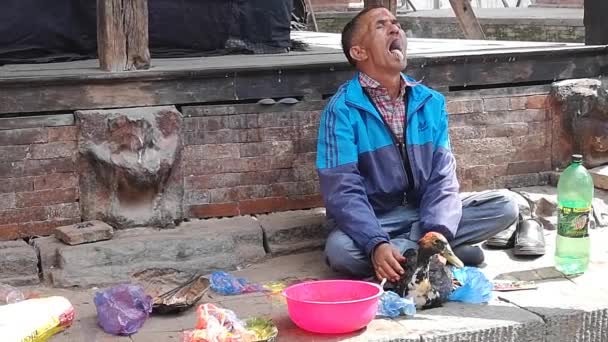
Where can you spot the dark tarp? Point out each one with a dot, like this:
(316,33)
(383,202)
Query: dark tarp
(38,31)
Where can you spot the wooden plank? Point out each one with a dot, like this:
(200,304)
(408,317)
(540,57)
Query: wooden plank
(122,35)
(596,25)
(52,120)
(390,4)
(467,19)
(185,86)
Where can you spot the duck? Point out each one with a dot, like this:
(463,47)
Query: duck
(427,280)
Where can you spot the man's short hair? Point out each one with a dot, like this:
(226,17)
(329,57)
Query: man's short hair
(349,31)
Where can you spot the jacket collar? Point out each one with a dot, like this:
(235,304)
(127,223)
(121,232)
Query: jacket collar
(355,96)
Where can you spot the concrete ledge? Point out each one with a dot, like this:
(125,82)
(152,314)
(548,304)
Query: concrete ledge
(197,246)
(294,231)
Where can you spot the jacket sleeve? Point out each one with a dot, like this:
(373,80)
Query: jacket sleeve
(341,183)
(440,206)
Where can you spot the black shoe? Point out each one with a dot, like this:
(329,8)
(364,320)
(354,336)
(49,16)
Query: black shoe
(504,239)
(529,238)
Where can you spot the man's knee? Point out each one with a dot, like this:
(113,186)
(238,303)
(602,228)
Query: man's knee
(344,257)
(507,207)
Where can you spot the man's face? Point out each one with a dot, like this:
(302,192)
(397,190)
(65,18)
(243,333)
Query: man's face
(380,41)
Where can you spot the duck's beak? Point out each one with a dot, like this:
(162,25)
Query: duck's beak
(449,255)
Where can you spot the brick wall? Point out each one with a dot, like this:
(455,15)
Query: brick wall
(501,138)
(330,5)
(230,158)
(38,180)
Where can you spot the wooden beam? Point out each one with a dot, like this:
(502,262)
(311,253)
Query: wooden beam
(390,4)
(122,35)
(467,19)
(596,25)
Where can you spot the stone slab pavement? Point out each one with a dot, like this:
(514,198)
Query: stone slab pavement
(561,309)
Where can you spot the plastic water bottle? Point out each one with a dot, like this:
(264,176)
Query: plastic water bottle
(574,196)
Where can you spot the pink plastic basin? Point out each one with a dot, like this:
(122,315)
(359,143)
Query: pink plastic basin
(332,306)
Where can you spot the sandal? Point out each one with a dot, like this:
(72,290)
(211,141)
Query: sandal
(529,238)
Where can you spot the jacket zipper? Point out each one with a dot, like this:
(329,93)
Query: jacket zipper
(401,147)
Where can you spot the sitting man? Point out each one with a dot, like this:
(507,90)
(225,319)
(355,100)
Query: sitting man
(386,171)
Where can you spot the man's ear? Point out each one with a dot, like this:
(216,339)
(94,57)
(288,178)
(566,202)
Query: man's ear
(358,53)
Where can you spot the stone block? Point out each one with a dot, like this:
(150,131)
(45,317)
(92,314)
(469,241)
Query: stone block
(198,246)
(600,177)
(130,170)
(18,263)
(294,231)
(47,249)
(84,232)
(495,322)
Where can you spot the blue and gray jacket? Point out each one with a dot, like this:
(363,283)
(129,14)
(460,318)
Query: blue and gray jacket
(363,171)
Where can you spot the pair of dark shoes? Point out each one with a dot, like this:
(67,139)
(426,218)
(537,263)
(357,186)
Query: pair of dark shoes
(526,237)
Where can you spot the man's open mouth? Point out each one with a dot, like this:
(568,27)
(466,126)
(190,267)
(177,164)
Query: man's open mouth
(396,49)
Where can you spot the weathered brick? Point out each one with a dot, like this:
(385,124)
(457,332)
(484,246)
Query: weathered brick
(64,133)
(7,201)
(266,148)
(305,145)
(190,125)
(307,118)
(11,169)
(63,210)
(14,153)
(46,197)
(267,177)
(282,161)
(222,180)
(276,119)
(496,104)
(464,106)
(61,149)
(500,117)
(238,193)
(22,215)
(305,159)
(39,167)
(265,205)
(9,231)
(56,181)
(24,136)
(214,123)
(537,102)
(211,151)
(486,145)
(44,228)
(306,132)
(305,173)
(223,136)
(518,102)
(527,141)
(467,132)
(295,188)
(278,133)
(195,197)
(214,210)
(479,171)
(16,185)
(507,130)
(522,167)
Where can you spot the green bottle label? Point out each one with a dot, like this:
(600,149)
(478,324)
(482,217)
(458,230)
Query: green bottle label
(573,222)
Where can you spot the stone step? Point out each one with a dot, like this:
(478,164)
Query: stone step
(196,246)
(18,263)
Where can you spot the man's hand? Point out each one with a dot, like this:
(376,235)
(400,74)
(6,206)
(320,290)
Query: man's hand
(386,261)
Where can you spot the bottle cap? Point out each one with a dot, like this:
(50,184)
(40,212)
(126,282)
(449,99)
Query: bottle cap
(577,158)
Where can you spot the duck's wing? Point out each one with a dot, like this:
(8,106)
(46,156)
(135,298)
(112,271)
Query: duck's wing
(441,278)
(409,268)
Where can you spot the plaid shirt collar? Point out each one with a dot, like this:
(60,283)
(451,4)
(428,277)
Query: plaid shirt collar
(374,86)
